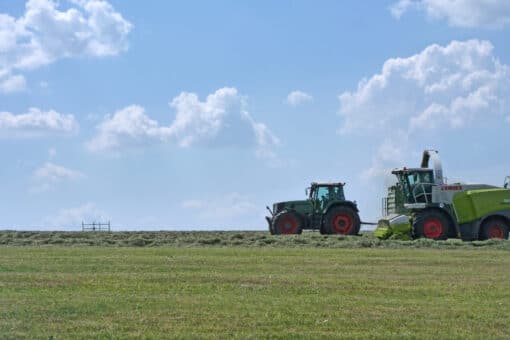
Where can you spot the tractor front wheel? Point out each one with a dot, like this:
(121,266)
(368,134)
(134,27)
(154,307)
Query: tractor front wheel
(494,228)
(431,224)
(342,220)
(287,223)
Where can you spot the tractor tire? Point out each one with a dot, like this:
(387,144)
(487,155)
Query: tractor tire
(431,224)
(287,223)
(341,220)
(494,228)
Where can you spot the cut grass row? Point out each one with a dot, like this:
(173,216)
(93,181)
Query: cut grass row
(226,239)
(73,292)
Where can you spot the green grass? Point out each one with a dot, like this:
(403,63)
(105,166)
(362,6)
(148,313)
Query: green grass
(226,239)
(291,292)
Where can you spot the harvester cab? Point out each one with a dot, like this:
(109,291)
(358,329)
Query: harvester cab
(434,209)
(325,209)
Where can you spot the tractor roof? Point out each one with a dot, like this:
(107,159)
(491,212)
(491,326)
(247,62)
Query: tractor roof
(328,184)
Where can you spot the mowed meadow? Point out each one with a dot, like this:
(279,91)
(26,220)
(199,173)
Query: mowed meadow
(246,286)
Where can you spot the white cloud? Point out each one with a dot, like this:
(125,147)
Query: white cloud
(44,34)
(219,120)
(11,84)
(390,154)
(399,8)
(222,209)
(35,123)
(73,217)
(196,120)
(441,87)
(50,174)
(265,141)
(296,98)
(128,126)
(459,13)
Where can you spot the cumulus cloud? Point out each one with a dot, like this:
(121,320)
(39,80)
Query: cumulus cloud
(459,13)
(391,153)
(36,123)
(128,126)
(50,174)
(73,217)
(11,84)
(44,34)
(441,88)
(56,173)
(296,98)
(196,120)
(221,119)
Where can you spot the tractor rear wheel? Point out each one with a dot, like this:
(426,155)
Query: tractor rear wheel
(494,228)
(431,224)
(342,220)
(286,223)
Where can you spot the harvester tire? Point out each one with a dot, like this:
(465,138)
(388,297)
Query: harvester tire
(341,220)
(431,224)
(287,223)
(494,228)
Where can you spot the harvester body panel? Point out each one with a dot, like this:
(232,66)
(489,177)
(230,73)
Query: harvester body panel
(472,205)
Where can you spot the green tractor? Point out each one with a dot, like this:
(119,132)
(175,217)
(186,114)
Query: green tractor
(326,210)
(423,205)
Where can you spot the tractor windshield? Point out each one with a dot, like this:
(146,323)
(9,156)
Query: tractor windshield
(326,193)
(416,185)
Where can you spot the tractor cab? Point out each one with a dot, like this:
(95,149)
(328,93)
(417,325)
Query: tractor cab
(321,194)
(416,184)
(506,185)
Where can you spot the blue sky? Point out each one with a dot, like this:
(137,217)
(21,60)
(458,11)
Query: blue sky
(198,114)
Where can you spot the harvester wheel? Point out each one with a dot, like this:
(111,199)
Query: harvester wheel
(494,228)
(286,223)
(431,224)
(342,220)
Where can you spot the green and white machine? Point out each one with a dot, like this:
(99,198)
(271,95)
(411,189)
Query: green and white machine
(429,207)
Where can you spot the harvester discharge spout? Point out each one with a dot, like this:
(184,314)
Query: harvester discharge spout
(438,168)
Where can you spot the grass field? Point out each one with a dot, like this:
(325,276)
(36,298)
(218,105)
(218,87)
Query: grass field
(251,239)
(254,292)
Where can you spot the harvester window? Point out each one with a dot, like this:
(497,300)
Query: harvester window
(426,177)
(412,178)
(420,184)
